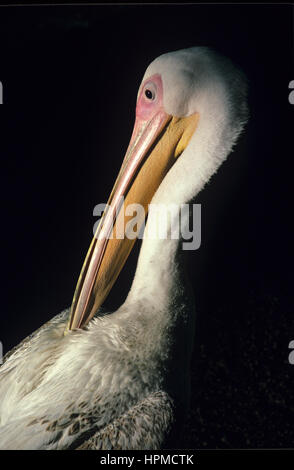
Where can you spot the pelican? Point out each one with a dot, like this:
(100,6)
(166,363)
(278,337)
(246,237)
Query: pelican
(120,380)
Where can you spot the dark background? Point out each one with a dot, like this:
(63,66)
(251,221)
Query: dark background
(70,77)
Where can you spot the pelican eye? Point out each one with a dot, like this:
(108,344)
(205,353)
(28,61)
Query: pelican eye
(149,94)
(150,91)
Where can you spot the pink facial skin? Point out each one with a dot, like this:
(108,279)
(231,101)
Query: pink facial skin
(147,107)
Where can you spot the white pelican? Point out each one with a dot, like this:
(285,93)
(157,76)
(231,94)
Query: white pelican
(121,380)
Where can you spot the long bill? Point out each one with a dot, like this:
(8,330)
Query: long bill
(154,147)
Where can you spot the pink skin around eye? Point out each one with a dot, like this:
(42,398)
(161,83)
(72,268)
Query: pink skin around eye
(146,108)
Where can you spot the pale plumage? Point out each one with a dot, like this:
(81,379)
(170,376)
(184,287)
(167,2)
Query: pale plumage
(123,381)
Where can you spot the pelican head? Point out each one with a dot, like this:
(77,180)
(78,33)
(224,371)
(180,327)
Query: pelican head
(191,108)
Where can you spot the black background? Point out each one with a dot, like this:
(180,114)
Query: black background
(70,77)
